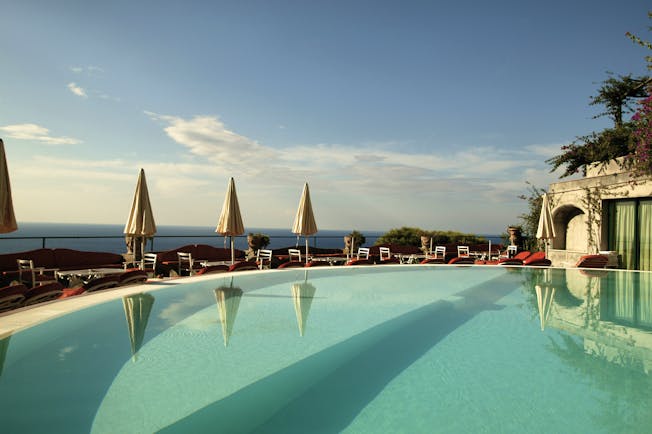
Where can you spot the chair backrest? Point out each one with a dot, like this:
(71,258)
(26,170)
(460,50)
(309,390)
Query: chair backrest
(295,255)
(511,251)
(384,253)
(185,262)
(26,266)
(363,253)
(149,261)
(264,258)
(463,251)
(440,252)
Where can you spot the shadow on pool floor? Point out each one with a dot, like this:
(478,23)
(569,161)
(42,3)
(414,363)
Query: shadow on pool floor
(326,391)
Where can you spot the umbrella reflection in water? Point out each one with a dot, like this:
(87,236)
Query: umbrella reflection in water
(228,301)
(545,296)
(137,309)
(303,293)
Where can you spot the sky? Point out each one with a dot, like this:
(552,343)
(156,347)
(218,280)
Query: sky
(427,114)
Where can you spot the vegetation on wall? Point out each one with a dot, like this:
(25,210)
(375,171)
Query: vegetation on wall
(410,236)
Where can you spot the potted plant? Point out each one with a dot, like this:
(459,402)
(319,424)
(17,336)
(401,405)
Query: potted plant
(255,242)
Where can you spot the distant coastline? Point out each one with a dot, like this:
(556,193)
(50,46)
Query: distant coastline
(110,238)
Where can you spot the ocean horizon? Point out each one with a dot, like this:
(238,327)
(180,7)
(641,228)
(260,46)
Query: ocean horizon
(110,237)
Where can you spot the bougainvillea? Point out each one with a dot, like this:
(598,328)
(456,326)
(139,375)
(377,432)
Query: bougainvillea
(641,157)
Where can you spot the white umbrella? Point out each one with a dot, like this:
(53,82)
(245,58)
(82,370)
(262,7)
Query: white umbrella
(230,222)
(546,228)
(7,216)
(304,222)
(140,224)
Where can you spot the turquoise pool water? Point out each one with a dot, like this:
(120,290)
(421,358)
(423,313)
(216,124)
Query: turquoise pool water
(375,349)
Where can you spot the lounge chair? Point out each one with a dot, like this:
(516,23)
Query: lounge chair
(41,293)
(243,266)
(12,297)
(537,259)
(102,283)
(133,277)
(318,264)
(592,261)
(462,260)
(212,269)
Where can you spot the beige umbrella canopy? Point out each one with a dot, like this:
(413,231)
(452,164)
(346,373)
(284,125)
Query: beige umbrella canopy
(546,228)
(303,294)
(140,224)
(304,222)
(137,309)
(7,216)
(230,223)
(228,301)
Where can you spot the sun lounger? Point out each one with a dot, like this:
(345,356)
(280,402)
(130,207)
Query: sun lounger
(592,261)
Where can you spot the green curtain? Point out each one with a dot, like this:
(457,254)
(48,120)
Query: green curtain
(645,235)
(622,231)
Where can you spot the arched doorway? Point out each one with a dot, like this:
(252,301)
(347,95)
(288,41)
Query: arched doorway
(570,228)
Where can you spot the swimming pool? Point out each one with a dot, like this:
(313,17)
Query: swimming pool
(344,349)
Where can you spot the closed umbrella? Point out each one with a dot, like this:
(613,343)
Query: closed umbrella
(230,222)
(137,309)
(304,222)
(140,224)
(7,216)
(546,228)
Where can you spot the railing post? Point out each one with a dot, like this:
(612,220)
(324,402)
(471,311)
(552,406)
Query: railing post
(43,242)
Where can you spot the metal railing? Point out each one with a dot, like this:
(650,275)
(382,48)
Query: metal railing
(116,243)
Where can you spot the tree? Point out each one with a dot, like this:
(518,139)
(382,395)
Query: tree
(530,219)
(640,160)
(617,95)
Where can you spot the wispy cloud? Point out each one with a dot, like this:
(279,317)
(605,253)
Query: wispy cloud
(77,90)
(90,70)
(372,168)
(36,133)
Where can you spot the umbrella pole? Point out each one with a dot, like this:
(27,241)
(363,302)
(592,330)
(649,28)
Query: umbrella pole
(306,250)
(232,252)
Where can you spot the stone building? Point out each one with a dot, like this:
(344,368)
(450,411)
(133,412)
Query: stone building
(607,211)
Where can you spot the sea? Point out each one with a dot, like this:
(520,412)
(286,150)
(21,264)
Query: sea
(110,237)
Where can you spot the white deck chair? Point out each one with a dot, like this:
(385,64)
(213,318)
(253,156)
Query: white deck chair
(185,263)
(463,251)
(264,258)
(440,252)
(384,253)
(363,253)
(294,255)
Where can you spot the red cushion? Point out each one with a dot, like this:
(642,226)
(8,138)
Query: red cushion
(534,257)
(592,261)
(70,292)
(461,260)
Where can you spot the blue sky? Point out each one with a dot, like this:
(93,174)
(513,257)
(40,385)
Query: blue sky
(397,113)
